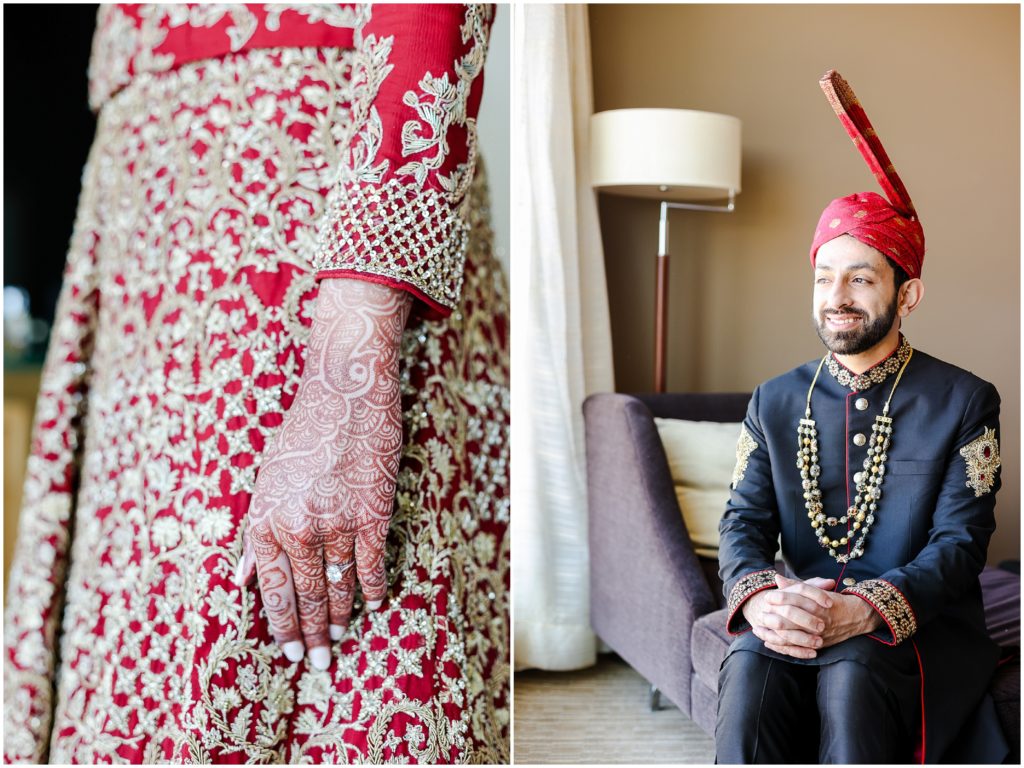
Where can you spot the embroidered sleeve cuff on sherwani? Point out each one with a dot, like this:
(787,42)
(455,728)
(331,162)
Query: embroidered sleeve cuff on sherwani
(891,605)
(396,215)
(743,590)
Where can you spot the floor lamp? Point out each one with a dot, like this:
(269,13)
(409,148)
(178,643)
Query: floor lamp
(681,157)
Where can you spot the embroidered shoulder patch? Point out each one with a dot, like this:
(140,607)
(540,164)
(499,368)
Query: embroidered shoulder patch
(982,459)
(744,447)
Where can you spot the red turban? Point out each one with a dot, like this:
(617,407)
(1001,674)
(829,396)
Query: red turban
(891,227)
(869,218)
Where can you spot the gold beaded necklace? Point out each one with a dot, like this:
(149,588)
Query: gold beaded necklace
(869,487)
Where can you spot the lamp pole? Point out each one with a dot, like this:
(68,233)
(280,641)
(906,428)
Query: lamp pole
(661,287)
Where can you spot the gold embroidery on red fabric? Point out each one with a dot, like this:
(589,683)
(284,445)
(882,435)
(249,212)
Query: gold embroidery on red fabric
(191,370)
(124,48)
(35,579)
(414,231)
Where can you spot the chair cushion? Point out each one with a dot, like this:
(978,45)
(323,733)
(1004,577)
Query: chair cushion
(701,457)
(1000,591)
(703,705)
(708,645)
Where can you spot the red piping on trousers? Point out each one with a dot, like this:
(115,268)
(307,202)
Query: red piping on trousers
(920,669)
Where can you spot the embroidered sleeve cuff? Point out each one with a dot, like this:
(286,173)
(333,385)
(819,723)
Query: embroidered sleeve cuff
(430,309)
(891,605)
(749,585)
(410,238)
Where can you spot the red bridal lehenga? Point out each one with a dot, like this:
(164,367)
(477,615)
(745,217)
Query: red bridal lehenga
(240,152)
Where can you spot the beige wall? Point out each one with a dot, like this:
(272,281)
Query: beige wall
(941,85)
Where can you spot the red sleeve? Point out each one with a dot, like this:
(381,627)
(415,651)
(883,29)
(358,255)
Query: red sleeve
(396,214)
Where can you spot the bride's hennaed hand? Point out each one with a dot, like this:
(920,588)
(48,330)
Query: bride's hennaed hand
(325,491)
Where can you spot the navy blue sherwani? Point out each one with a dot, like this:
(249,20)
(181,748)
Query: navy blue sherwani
(924,551)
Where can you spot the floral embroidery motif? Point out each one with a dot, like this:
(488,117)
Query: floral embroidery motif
(202,253)
(369,70)
(442,104)
(127,43)
(876,375)
(33,587)
(749,585)
(891,605)
(982,461)
(744,448)
(331,14)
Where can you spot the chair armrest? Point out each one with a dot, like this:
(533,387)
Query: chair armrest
(646,583)
(637,530)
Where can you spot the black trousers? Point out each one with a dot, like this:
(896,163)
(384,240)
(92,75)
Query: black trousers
(845,711)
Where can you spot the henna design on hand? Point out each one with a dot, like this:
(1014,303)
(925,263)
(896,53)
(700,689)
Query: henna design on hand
(325,491)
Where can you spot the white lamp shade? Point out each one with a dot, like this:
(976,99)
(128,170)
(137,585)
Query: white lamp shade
(668,154)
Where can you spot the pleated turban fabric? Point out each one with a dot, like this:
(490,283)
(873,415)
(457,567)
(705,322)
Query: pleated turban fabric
(889,226)
(871,219)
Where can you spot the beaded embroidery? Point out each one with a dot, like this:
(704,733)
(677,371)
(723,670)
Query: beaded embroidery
(890,604)
(179,377)
(749,585)
(982,459)
(410,229)
(744,448)
(407,234)
(876,375)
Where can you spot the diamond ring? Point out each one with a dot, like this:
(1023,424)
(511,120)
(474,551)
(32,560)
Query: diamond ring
(336,571)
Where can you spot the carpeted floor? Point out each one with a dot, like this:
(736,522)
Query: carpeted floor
(600,715)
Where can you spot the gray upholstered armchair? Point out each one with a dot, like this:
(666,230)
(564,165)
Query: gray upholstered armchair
(648,587)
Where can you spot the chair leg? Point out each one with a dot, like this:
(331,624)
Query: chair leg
(655,699)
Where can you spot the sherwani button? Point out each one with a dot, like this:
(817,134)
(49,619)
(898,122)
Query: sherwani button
(861,404)
(859,439)
(849,581)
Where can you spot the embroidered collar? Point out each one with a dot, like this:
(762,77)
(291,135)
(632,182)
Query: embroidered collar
(874,375)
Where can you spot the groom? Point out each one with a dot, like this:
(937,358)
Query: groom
(878,466)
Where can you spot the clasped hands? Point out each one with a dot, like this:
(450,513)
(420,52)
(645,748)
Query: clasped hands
(802,617)
(325,490)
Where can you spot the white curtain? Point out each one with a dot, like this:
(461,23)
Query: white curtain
(561,338)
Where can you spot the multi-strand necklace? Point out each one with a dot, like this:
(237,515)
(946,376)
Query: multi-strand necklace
(860,516)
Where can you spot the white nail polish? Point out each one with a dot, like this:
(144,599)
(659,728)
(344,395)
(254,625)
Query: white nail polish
(320,657)
(293,650)
(238,573)
(373,605)
(337,632)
